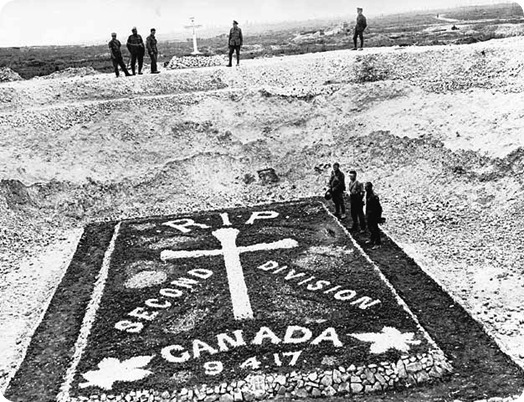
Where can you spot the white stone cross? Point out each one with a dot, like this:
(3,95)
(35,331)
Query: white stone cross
(235,275)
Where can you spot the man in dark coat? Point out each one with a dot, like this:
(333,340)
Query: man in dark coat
(235,42)
(337,186)
(356,199)
(359,29)
(136,48)
(373,215)
(116,55)
(152,50)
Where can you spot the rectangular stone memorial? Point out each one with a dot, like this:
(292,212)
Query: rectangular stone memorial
(240,304)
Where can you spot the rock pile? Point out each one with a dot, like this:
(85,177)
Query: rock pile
(352,380)
(8,75)
(177,63)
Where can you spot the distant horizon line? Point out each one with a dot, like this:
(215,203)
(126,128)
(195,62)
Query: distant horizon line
(176,35)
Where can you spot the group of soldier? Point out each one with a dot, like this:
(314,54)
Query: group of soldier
(360,195)
(137,49)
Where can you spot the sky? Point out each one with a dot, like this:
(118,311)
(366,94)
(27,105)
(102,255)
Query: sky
(63,22)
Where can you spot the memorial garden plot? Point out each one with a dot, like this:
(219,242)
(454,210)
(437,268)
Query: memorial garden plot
(236,305)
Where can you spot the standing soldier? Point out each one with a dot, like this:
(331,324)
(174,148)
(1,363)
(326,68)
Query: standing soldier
(337,186)
(356,199)
(235,42)
(116,55)
(359,29)
(373,216)
(135,45)
(153,51)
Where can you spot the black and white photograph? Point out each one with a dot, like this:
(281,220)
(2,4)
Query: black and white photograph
(241,201)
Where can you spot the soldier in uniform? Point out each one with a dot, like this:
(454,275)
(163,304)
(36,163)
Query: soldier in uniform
(356,199)
(136,48)
(359,29)
(152,50)
(235,42)
(116,55)
(337,186)
(373,215)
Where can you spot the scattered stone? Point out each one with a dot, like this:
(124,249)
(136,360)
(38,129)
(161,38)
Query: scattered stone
(330,391)
(436,372)
(377,387)
(268,176)
(327,381)
(248,396)
(344,388)
(422,377)
(227,398)
(369,376)
(337,376)
(414,367)
(301,393)
(356,388)
(401,369)
(281,379)
(380,378)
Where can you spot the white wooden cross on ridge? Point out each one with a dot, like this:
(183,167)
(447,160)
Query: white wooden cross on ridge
(235,275)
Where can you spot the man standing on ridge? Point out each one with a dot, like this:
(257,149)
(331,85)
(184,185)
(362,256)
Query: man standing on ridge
(116,55)
(235,42)
(135,45)
(151,43)
(359,29)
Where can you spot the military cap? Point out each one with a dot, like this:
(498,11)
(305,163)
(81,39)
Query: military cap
(234,22)
(359,9)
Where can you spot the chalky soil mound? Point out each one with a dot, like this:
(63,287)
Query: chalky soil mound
(230,305)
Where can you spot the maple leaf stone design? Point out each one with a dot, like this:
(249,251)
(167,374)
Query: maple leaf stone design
(389,338)
(111,370)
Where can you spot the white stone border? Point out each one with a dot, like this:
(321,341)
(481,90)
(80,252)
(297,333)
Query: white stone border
(89,318)
(338,380)
(400,301)
(501,344)
(64,267)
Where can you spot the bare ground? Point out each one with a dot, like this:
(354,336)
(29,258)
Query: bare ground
(436,129)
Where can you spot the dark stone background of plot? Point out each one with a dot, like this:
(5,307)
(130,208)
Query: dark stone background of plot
(302,222)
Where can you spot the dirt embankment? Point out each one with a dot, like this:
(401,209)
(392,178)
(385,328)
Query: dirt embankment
(435,129)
